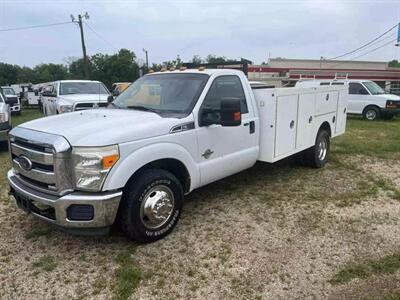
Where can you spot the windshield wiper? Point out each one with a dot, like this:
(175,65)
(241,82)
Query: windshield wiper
(144,108)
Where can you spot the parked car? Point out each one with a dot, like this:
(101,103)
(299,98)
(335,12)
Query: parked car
(366,98)
(72,95)
(168,134)
(12,99)
(118,87)
(5,118)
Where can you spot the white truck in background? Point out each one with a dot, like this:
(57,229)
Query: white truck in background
(5,119)
(71,95)
(366,98)
(166,135)
(12,99)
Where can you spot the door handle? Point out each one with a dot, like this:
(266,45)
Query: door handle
(252,125)
(292,124)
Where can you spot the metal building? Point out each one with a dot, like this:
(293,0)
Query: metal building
(285,72)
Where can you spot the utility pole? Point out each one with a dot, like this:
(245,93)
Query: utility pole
(85,59)
(147,60)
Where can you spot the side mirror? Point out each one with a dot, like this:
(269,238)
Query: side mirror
(363,92)
(231,112)
(115,93)
(110,98)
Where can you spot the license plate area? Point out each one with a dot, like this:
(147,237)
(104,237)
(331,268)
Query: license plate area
(31,206)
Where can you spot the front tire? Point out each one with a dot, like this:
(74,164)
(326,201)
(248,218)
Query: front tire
(150,206)
(371,113)
(317,156)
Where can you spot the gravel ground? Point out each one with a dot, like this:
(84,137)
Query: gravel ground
(273,232)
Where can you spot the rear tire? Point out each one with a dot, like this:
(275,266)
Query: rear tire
(371,113)
(151,205)
(317,156)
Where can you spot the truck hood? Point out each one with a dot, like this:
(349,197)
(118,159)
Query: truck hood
(100,127)
(390,97)
(84,98)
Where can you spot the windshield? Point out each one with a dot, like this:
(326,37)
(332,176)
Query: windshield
(164,93)
(373,88)
(70,88)
(8,91)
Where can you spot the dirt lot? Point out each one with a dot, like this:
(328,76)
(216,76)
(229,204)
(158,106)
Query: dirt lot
(275,231)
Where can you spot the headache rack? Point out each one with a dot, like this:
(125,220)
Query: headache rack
(242,65)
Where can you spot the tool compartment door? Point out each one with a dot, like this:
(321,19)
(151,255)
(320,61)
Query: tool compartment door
(305,133)
(286,124)
(326,102)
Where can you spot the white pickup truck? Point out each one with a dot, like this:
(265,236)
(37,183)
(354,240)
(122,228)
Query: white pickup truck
(71,95)
(166,135)
(5,118)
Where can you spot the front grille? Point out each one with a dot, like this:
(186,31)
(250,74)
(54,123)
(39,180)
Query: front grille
(41,160)
(11,100)
(90,105)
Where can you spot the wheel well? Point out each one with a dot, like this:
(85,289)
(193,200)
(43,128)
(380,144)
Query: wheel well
(327,127)
(176,167)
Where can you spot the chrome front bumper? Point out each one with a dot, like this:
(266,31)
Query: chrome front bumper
(53,209)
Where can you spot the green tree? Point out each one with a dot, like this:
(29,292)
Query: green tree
(394,63)
(50,72)
(196,59)
(8,73)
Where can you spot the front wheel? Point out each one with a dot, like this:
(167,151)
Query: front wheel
(150,206)
(371,113)
(317,156)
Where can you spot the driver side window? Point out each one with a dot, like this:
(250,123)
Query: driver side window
(356,88)
(223,88)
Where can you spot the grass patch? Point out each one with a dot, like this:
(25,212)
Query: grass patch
(385,265)
(128,276)
(27,114)
(37,232)
(379,138)
(46,263)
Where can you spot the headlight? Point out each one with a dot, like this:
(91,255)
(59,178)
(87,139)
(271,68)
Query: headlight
(3,117)
(91,166)
(65,108)
(390,104)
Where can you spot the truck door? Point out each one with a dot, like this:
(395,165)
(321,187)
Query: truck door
(223,151)
(358,96)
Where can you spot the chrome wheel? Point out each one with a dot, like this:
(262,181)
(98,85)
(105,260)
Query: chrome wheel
(157,207)
(322,149)
(370,115)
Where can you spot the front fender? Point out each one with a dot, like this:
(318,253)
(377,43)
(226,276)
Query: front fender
(133,161)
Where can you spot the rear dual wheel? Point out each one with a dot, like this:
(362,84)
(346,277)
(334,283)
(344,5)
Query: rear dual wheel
(317,156)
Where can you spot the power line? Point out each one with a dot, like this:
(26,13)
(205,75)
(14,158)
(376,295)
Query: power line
(34,26)
(99,36)
(365,45)
(366,53)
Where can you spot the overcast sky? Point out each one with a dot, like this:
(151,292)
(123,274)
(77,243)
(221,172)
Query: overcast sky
(249,29)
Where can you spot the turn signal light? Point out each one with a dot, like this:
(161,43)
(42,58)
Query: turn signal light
(109,161)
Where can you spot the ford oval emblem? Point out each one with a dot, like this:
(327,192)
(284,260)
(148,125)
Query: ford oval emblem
(25,163)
